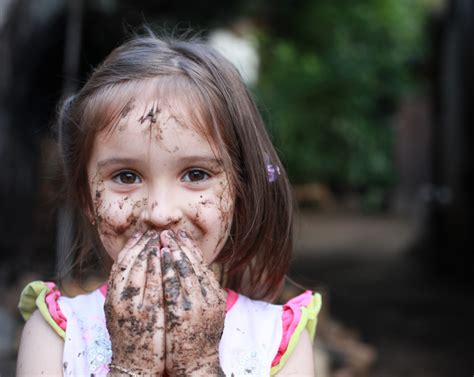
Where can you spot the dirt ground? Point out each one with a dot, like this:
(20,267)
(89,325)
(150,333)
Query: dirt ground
(421,324)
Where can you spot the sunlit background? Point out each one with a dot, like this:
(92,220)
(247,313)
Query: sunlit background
(370,104)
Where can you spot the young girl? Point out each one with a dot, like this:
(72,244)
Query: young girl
(168,162)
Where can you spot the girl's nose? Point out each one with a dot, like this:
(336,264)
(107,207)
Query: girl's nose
(161,212)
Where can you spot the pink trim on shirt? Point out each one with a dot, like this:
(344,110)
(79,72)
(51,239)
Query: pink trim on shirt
(290,319)
(51,299)
(103,289)
(232,296)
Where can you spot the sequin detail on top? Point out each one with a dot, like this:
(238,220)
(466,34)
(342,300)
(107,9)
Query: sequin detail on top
(250,364)
(87,347)
(98,350)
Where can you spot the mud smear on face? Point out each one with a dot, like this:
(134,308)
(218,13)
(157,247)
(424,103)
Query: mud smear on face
(126,110)
(225,209)
(150,116)
(105,220)
(221,201)
(98,200)
(132,219)
(129,106)
(157,121)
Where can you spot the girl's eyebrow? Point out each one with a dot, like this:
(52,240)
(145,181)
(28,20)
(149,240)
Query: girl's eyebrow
(184,160)
(201,159)
(116,161)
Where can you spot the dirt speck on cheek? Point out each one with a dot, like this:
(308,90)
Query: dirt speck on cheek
(132,219)
(109,223)
(98,202)
(206,202)
(225,207)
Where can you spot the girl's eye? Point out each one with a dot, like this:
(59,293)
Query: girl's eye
(195,175)
(127,178)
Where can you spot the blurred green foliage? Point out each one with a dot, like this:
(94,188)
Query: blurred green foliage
(332,75)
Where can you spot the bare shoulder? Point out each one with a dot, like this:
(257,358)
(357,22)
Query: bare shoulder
(301,361)
(41,349)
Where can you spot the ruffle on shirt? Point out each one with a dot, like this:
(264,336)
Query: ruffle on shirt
(43,296)
(299,313)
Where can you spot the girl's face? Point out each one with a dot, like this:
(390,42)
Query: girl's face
(154,170)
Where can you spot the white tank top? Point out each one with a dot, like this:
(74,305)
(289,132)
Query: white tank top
(252,335)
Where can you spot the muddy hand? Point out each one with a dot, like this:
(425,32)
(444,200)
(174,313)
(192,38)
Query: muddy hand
(134,307)
(194,309)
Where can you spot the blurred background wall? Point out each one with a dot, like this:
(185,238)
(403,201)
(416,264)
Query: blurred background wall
(370,106)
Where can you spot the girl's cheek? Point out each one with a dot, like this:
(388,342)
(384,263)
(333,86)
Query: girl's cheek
(225,206)
(214,214)
(117,216)
(116,219)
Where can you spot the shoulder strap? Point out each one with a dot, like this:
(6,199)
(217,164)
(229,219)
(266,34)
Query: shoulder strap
(36,296)
(299,314)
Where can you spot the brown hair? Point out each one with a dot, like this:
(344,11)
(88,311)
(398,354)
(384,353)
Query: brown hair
(256,255)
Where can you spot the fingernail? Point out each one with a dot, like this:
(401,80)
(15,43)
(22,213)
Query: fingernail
(169,234)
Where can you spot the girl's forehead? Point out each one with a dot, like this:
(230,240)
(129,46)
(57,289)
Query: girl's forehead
(164,124)
(153,118)
(152,105)
(151,123)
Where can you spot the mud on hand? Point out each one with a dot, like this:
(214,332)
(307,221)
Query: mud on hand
(134,306)
(194,305)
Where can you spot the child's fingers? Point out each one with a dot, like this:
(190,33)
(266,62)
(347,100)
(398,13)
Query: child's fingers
(131,248)
(172,290)
(130,244)
(202,283)
(132,241)
(206,276)
(134,311)
(159,345)
(153,282)
(190,278)
(138,272)
(129,278)
(185,240)
(153,302)
(195,256)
